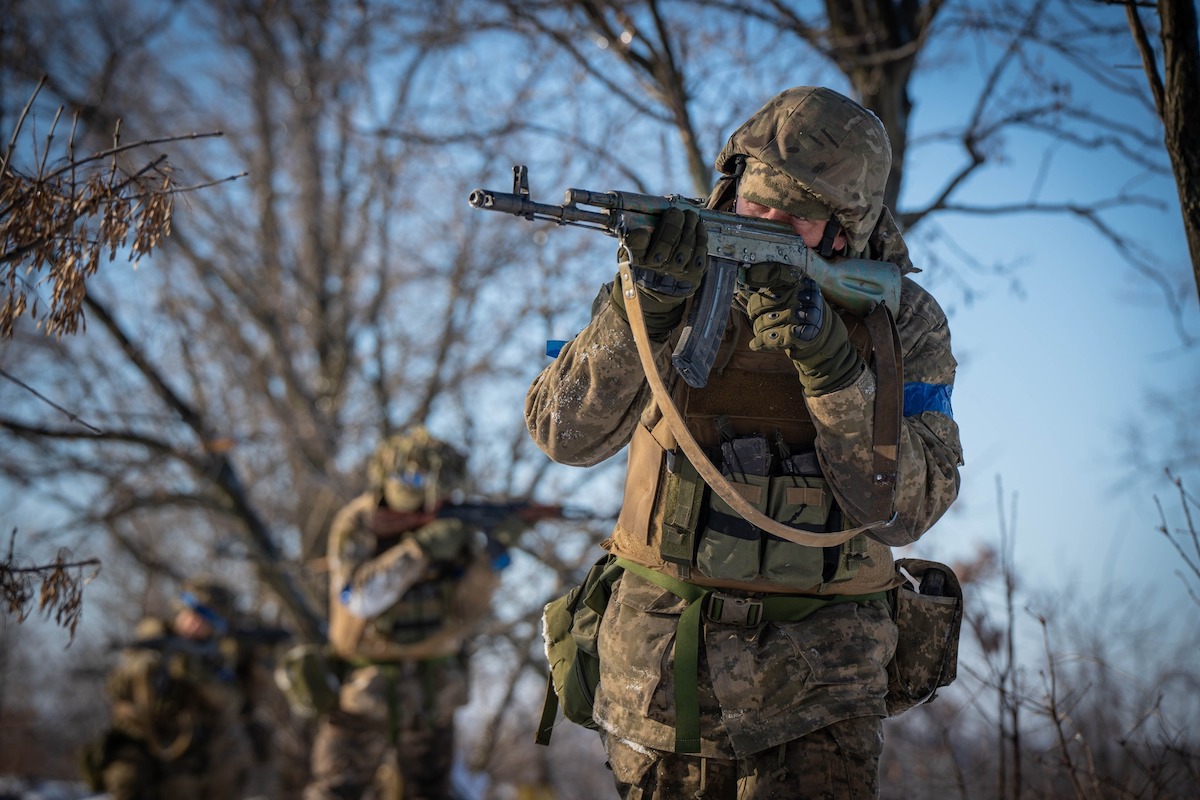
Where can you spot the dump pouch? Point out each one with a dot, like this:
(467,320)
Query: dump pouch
(309,677)
(928,612)
(570,629)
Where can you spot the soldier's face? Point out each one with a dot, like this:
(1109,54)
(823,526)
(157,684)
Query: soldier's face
(809,230)
(191,625)
(402,496)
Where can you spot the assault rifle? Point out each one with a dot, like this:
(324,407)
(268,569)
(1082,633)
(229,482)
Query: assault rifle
(482,514)
(203,648)
(734,243)
(206,651)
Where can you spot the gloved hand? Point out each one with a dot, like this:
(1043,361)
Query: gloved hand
(509,530)
(668,263)
(795,319)
(443,539)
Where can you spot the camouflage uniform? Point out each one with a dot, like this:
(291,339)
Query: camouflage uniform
(177,716)
(402,606)
(786,708)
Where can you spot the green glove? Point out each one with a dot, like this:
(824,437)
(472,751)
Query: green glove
(796,320)
(509,530)
(668,263)
(442,539)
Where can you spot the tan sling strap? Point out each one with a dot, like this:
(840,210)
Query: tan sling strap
(886,414)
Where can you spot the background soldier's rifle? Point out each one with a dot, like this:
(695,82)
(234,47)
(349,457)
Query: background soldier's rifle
(734,242)
(209,649)
(483,515)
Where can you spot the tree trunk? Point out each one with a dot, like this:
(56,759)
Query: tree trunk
(1181,99)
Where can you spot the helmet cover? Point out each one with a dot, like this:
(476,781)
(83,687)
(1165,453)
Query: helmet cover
(414,469)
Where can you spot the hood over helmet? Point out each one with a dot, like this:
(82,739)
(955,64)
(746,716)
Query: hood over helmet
(814,153)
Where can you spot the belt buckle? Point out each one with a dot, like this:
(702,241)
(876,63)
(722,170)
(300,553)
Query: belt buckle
(729,609)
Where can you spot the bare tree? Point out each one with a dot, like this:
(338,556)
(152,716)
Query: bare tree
(1099,705)
(1185,537)
(288,341)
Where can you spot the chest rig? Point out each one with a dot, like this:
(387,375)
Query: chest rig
(752,422)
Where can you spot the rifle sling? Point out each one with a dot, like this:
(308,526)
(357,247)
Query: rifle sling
(717,482)
(885,343)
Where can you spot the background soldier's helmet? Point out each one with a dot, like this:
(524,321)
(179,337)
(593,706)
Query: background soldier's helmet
(814,153)
(414,470)
(212,600)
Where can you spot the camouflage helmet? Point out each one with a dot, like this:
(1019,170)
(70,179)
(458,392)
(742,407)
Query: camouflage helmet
(212,600)
(814,153)
(414,469)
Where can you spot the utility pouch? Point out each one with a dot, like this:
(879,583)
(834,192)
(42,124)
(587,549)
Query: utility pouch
(570,630)
(684,493)
(928,612)
(804,503)
(728,546)
(308,675)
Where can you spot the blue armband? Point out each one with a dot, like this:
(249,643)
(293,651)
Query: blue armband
(921,397)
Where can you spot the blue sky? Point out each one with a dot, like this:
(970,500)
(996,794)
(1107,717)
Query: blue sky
(1054,373)
(1050,379)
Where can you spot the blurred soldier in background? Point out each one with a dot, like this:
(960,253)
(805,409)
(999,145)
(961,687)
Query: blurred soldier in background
(407,583)
(182,718)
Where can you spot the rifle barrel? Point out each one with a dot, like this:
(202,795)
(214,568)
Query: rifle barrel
(529,209)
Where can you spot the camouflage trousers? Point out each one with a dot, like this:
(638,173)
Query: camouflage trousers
(786,709)
(840,762)
(394,728)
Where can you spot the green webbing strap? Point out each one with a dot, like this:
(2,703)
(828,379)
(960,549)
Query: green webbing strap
(775,608)
(687,653)
(549,712)
(390,679)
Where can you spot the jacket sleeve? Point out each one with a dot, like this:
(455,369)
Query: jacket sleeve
(368,584)
(930,451)
(584,405)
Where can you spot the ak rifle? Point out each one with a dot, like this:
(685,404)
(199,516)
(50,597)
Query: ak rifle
(734,243)
(480,514)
